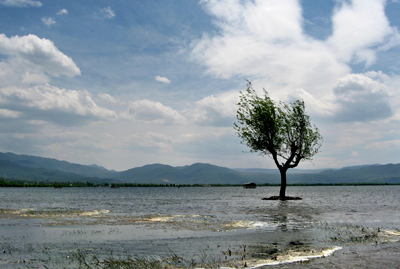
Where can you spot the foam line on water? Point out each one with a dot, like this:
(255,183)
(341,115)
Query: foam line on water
(291,259)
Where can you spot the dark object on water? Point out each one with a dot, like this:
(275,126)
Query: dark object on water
(250,185)
(279,198)
(295,243)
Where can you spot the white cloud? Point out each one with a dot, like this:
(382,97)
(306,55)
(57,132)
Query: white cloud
(106,97)
(108,12)
(361,98)
(153,112)
(25,72)
(48,21)
(215,110)
(21,3)
(358,27)
(163,80)
(264,41)
(6,113)
(31,56)
(267,19)
(323,107)
(62,11)
(34,78)
(39,99)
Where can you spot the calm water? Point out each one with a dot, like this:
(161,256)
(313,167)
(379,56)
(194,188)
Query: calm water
(45,225)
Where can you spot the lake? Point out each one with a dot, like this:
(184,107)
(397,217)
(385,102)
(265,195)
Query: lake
(203,226)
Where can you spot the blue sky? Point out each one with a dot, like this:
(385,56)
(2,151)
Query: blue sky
(127,83)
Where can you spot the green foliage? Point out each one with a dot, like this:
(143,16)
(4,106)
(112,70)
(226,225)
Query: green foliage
(276,129)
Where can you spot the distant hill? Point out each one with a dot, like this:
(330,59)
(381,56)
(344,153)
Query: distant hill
(365,174)
(11,170)
(53,164)
(276,171)
(26,167)
(198,173)
(389,173)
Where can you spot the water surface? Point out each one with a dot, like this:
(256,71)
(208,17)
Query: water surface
(45,225)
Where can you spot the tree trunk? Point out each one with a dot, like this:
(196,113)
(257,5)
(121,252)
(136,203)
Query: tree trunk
(282,192)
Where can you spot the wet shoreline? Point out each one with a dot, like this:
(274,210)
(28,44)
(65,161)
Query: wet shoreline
(358,256)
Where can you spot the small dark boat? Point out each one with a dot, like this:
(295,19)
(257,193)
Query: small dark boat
(250,185)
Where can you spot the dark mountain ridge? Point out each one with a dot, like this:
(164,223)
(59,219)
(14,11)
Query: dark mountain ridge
(197,173)
(53,164)
(11,170)
(32,168)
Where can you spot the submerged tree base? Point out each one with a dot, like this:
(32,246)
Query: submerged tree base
(282,198)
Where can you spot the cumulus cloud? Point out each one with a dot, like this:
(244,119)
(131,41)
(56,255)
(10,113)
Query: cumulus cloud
(62,12)
(25,92)
(108,12)
(48,21)
(31,58)
(361,98)
(265,40)
(6,113)
(163,80)
(46,102)
(321,107)
(215,110)
(358,27)
(153,112)
(106,97)
(21,3)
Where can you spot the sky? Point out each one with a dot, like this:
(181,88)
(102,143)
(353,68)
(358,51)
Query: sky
(127,83)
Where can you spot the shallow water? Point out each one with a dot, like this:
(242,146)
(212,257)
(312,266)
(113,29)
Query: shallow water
(45,225)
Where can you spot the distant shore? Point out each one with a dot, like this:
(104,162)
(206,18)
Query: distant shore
(24,183)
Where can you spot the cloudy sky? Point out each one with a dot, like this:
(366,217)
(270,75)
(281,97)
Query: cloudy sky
(127,83)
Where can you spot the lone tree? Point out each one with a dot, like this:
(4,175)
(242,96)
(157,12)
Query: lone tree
(279,130)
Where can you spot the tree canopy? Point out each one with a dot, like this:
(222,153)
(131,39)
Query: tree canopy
(279,130)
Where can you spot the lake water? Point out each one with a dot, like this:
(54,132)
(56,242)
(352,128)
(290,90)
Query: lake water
(203,226)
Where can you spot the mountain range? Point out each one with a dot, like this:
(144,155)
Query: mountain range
(33,168)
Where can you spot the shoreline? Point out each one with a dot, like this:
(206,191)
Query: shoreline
(15,183)
(359,256)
